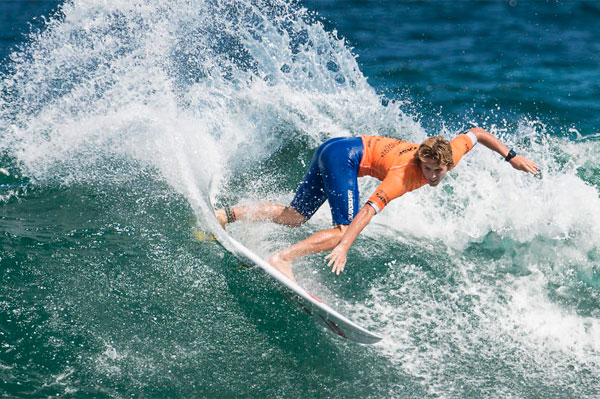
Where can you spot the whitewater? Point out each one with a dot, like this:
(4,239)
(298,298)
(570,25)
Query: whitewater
(120,120)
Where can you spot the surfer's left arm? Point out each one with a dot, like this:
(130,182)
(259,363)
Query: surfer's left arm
(337,257)
(518,162)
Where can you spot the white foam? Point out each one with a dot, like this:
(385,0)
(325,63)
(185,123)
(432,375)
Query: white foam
(485,194)
(546,326)
(148,84)
(180,85)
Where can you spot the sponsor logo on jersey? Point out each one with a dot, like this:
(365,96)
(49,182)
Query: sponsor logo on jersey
(412,148)
(389,147)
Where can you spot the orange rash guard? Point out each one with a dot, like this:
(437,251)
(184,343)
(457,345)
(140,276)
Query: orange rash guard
(393,162)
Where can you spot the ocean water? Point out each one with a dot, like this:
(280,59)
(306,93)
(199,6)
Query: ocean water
(120,120)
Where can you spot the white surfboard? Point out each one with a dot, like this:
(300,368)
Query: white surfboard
(331,319)
(324,314)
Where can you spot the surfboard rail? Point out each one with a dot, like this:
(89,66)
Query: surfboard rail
(320,311)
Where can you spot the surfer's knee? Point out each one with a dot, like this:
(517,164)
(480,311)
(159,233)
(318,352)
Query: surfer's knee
(341,228)
(291,217)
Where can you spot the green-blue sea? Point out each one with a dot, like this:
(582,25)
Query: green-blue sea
(120,120)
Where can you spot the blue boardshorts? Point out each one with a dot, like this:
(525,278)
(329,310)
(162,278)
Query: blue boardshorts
(333,176)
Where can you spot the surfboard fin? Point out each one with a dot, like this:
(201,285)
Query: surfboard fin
(204,236)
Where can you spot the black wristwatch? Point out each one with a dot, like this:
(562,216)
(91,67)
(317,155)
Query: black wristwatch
(511,155)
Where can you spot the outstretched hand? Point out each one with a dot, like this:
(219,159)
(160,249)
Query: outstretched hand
(518,162)
(525,164)
(337,258)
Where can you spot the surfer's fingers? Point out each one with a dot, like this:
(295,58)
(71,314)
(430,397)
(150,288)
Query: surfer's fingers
(338,266)
(525,164)
(337,259)
(535,168)
(333,262)
(530,166)
(331,259)
(333,256)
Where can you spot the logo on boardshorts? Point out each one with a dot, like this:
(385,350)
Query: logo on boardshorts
(350,205)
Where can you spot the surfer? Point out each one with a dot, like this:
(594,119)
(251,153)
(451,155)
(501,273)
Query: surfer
(333,175)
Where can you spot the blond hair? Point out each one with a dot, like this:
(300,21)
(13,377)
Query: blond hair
(436,149)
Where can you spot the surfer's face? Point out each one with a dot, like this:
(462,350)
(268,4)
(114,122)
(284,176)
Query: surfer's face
(433,171)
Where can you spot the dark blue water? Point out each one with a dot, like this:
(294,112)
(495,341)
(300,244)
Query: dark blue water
(517,58)
(115,117)
(17,18)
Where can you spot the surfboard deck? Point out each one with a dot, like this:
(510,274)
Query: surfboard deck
(312,306)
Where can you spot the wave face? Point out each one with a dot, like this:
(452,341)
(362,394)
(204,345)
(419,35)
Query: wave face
(134,80)
(120,119)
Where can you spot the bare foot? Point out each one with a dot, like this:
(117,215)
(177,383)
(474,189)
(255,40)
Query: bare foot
(221,217)
(284,266)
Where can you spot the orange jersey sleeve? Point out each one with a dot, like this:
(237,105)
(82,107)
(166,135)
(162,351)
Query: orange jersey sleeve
(393,162)
(462,144)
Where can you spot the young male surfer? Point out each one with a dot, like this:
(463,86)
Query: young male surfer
(333,175)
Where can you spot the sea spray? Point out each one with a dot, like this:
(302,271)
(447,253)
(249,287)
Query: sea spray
(129,80)
(122,113)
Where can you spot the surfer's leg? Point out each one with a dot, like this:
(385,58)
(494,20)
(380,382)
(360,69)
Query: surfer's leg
(311,191)
(262,212)
(308,199)
(337,165)
(323,240)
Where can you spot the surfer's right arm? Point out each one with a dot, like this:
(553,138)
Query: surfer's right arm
(337,257)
